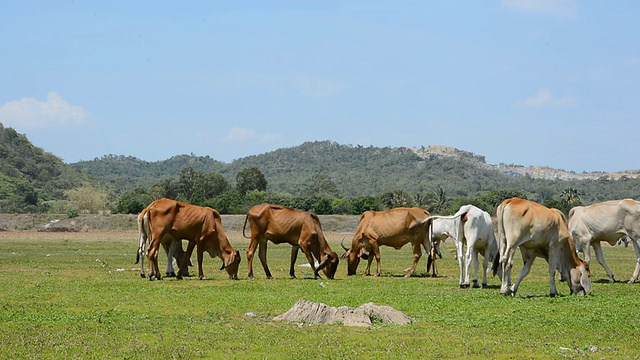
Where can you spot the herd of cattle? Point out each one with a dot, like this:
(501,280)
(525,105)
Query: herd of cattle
(536,230)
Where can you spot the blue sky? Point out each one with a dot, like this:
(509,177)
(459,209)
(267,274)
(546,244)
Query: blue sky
(534,83)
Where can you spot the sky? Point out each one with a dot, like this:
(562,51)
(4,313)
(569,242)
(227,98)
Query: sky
(526,82)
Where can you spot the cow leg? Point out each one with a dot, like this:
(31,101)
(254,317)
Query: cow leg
(170,250)
(506,262)
(262,254)
(474,259)
(183,267)
(528,258)
(461,263)
(636,246)
(250,251)
(597,248)
(152,257)
(294,256)
(485,265)
(376,252)
(417,254)
(307,253)
(200,253)
(367,271)
(471,258)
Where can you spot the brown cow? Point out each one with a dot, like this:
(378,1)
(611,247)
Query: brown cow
(202,226)
(301,229)
(539,232)
(393,227)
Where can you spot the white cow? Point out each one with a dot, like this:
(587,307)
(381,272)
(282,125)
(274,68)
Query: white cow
(172,247)
(539,232)
(607,221)
(473,227)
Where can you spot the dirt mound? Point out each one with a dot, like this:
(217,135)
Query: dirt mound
(308,312)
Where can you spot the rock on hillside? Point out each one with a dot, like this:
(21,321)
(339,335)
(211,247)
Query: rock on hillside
(536,172)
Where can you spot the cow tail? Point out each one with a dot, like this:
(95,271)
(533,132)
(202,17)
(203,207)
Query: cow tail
(245,226)
(502,238)
(143,236)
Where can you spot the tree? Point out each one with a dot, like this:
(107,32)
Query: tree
(397,198)
(249,179)
(571,196)
(133,202)
(89,200)
(321,185)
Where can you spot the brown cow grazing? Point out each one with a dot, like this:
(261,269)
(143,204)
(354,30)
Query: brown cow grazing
(543,232)
(202,226)
(393,227)
(172,247)
(280,224)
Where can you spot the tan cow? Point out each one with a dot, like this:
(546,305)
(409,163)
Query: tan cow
(607,221)
(393,227)
(172,247)
(202,226)
(280,224)
(539,232)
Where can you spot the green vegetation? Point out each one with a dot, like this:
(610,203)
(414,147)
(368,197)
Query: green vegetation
(80,296)
(320,176)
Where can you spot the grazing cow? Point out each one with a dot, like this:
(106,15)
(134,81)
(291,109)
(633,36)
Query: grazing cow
(472,226)
(607,221)
(538,231)
(202,226)
(172,247)
(280,224)
(393,227)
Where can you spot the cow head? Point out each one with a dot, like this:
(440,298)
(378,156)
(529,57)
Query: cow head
(353,256)
(231,263)
(580,280)
(330,264)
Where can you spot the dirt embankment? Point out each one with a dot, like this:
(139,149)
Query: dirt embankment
(128,222)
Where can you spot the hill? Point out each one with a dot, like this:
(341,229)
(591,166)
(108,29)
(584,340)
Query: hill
(29,176)
(31,179)
(362,171)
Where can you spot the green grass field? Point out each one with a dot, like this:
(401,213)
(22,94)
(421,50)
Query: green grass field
(77,295)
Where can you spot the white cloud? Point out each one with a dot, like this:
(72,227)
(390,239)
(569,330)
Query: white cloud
(29,113)
(545,98)
(560,8)
(242,134)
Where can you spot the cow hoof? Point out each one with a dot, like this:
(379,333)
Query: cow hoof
(475,285)
(631,281)
(434,275)
(485,286)
(270,277)
(293,277)
(202,277)
(553,294)
(170,275)
(250,276)
(142,275)
(464,286)
(377,275)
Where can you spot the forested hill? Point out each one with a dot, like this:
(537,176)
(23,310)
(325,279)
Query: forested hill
(356,171)
(30,176)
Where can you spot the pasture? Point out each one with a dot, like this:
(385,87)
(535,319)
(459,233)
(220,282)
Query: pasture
(79,295)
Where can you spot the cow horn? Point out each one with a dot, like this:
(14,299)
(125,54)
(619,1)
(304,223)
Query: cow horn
(341,244)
